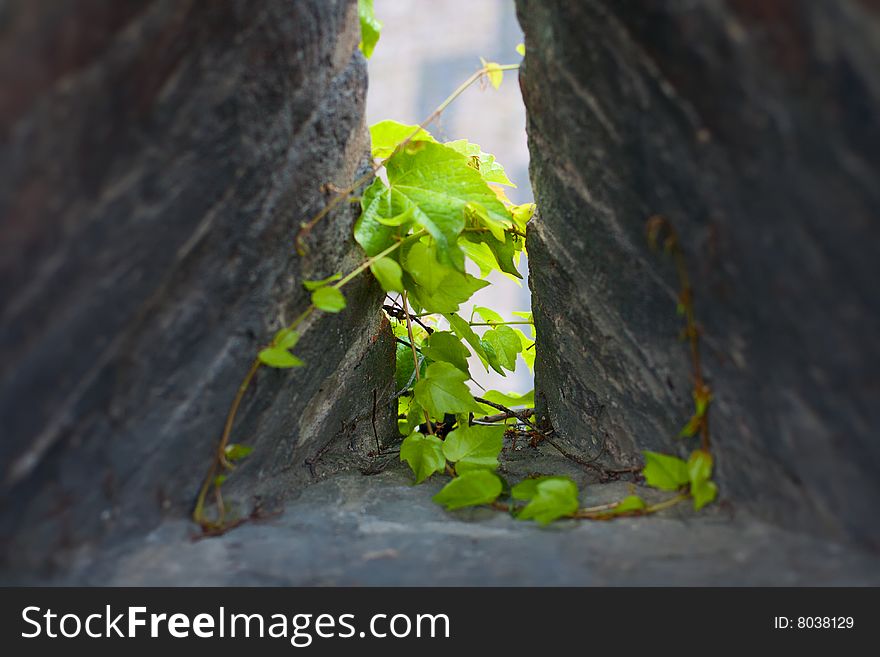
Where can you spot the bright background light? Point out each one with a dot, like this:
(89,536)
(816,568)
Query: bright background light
(426,50)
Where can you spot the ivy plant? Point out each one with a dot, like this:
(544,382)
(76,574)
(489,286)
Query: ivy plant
(432,230)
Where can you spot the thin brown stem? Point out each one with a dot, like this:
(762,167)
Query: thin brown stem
(655,225)
(412,344)
(220,455)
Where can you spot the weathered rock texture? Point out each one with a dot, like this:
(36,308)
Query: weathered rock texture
(157,160)
(753,127)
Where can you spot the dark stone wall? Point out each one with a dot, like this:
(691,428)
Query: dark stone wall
(157,159)
(752,126)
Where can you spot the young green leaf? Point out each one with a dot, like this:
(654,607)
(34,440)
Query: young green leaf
(665,472)
(420,262)
(454,289)
(528,349)
(488,314)
(485,163)
(493,72)
(521,49)
(442,390)
(236,452)
(510,399)
(328,299)
(445,346)
(480,254)
(628,505)
(526,315)
(527,488)
(285,339)
(551,498)
(424,455)
(503,254)
(388,273)
(504,344)
(521,215)
(370,27)
(403,371)
(699,468)
(386,136)
(470,488)
(474,448)
(372,230)
(476,214)
(436,183)
(463,330)
(314,285)
(279,358)
(703,493)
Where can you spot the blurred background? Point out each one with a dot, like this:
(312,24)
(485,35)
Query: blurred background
(426,50)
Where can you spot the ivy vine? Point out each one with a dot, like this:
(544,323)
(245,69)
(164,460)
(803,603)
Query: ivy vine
(440,206)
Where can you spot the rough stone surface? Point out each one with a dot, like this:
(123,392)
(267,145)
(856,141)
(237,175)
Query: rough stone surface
(379,530)
(157,158)
(752,126)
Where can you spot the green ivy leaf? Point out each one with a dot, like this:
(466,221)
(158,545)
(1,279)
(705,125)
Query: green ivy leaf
(510,399)
(480,254)
(476,214)
(279,358)
(314,285)
(435,183)
(550,498)
(504,344)
(413,414)
(328,299)
(485,163)
(370,27)
(454,289)
(388,273)
(424,454)
(403,372)
(521,215)
(442,390)
(285,339)
(488,314)
(494,72)
(463,330)
(699,467)
(503,253)
(470,489)
(386,136)
(236,452)
(421,263)
(528,349)
(371,230)
(527,488)
(703,493)
(665,472)
(629,504)
(474,448)
(445,346)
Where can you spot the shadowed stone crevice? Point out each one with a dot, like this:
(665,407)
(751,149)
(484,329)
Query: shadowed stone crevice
(151,193)
(752,127)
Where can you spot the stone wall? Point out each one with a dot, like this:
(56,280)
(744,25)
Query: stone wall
(752,126)
(157,160)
